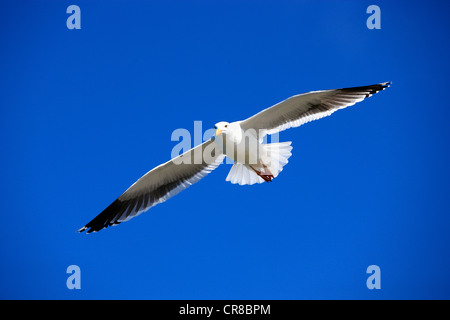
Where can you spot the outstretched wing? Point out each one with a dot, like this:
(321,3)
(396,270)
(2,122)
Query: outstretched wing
(158,185)
(302,108)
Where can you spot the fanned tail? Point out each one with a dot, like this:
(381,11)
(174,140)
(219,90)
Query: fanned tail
(276,157)
(278,154)
(243,174)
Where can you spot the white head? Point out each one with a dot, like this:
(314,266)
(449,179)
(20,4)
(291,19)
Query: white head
(221,127)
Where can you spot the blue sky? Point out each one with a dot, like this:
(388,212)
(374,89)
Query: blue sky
(84,113)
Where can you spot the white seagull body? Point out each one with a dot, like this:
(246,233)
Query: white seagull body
(255,162)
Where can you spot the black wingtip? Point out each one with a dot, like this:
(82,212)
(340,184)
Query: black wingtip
(381,86)
(106,218)
(86,227)
(82,229)
(370,90)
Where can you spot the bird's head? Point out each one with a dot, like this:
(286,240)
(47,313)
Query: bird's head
(221,127)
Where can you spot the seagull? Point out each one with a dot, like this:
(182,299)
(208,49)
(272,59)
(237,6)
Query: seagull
(242,141)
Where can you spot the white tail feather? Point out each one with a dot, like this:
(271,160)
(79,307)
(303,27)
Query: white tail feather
(278,154)
(276,157)
(243,174)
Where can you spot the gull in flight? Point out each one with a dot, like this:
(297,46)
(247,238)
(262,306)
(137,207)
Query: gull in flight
(242,141)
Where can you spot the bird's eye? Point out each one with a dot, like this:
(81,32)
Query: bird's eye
(215,127)
(226,126)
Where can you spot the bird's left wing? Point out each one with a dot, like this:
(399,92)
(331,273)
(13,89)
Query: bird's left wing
(158,185)
(306,107)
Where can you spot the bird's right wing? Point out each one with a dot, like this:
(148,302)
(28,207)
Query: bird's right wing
(158,185)
(306,107)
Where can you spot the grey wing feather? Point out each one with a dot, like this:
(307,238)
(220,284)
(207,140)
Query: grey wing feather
(306,107)
(158,185)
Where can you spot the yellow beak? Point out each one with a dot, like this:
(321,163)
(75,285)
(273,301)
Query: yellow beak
(218,131)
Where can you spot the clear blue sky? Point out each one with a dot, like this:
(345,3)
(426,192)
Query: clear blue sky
(84,113)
